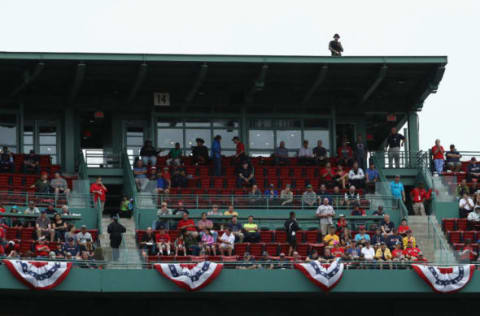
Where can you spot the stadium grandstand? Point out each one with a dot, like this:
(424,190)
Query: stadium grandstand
(117,171)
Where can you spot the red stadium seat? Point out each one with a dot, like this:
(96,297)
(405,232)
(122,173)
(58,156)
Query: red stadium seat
(240,249)
(280,236)
(455,237)
(266,236)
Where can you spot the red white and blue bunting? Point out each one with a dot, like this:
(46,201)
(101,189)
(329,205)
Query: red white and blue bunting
(39,275)
(191,277)
(445,279)
(325,276)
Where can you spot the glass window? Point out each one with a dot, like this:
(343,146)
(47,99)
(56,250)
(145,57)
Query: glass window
(261,153)
(193,133)
(315,135)
(8,131)
(292,139)
(170,123)
(197,123)
(261,124)
(167,137)
(227,136)
(261,139)
(316,123)
(289,123)
(229,124)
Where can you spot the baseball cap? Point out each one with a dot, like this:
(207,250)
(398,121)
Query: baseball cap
(309,186)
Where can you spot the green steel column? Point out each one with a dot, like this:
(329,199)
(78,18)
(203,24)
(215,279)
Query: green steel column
(333,131)
(413,140)
(68,145)
(244,129)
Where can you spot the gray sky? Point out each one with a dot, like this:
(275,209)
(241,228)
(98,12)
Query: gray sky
(271,27)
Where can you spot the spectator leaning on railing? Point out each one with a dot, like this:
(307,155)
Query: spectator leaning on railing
(438,154)
(453,159)
(286,195)
(394,142)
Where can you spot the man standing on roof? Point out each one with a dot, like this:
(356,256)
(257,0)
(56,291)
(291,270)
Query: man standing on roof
(394,142)
(335,47)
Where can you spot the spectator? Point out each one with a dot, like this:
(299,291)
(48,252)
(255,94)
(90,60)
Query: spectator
(42,185)
(313,256)
(280,155)
(180,244)
(341,177)
(181,209)
(71,233)
(32,209)
(357,211)
(200,152)
(163,242)
(387,225)
(320,154)
(188,225)
(227,241)
(148,244)
(409,239)
(83,236)
(398,254)
(70,248)
(397,189)
(115,230)
(205,223)
(240,156)
(403,227)
(305,155)
(468,253)
(7,163)
(31,163)
(230,211)
(345,235)
(286,195)
(419,195)
(465,205)
(360,152)
(59,186)
(179,178)
(352,252)
(356,176)
(100,194)
(335,47)
(368,252)
(291,227)
(214,210)
(217,156)
(378,238)
(473,170)
(41,248)
(352,196)
(337,197)
(453,159)
(149,154)
(245,175)
(323,193)
(362,236)
(271,194)
(327,175)
(309,197)
(371,178)
(162,211)
(342,224)
(438,154)
(383,253)
(255,195)
(44,227)
(411,252)
(251,231)
(191,243)
(163,184)
(50,210)
(59,227)
(331,238)
(473,218)
(236,229)
(379,211)
(140,175)
(174,156)
(17,223)
(394,142)
(126,207)
(325,213)
(208,243)
(345,155)
(338,251)
(463,188)
(327,256)
(394,239)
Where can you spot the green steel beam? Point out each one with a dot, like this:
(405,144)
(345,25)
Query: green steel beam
(225,58)
(316,84)
(77,82)
(202,74)
(381,75)
(432,87)
(28,78)
(142,73)
(258,84)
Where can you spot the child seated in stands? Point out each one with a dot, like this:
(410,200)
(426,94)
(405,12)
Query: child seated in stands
(180,245)
(208,243)
(163,242)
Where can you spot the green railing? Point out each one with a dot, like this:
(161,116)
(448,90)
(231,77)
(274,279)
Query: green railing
(406,159)
(23,199)
(129,186)
(443,252)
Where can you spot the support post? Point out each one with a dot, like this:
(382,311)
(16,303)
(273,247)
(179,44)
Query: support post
(68,145)
(413,141)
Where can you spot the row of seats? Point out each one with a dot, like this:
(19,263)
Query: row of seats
(45,163)
(27,233)
(460,236)
(153,259)
(451,224)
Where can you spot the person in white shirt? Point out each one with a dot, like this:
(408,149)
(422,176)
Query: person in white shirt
(305,155)
(326,213)
(226,242)
(368,251)
(474,216)
(465,205)
(82,236)
(32,209)
(356,176)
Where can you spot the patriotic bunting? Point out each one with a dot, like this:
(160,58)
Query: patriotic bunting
(39,275)
(325,276)
(446,279)
(191,277)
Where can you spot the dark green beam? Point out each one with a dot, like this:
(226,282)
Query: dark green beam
(197,84)
(77,82)
(28,78)
(316,84)
(381,75)
(258,84)
(432,87)
(141,74)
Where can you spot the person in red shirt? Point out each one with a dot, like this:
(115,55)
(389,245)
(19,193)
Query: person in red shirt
(411,252)
(419,195)
(341,224)
(337,251)
(438,154)
(163,242)
(398,253)
(420,258)
(345,155)
(188,225)
(99,193)
(41,248)
(327,175)
(403,228)
(240,155)
(468,253)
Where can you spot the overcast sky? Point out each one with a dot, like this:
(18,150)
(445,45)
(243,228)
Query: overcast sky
(272,27)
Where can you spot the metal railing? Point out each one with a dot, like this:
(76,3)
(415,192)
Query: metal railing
(43,200)
(99,158)
(443,253)
(405,159)
(153,200)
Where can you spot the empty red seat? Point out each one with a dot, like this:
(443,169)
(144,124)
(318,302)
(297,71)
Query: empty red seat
(240,248)
(272,249)
(303,249)
(311,236)
(280,236)
(256,249)
(266,236)
(455,237)
(462,224)
(470,235)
